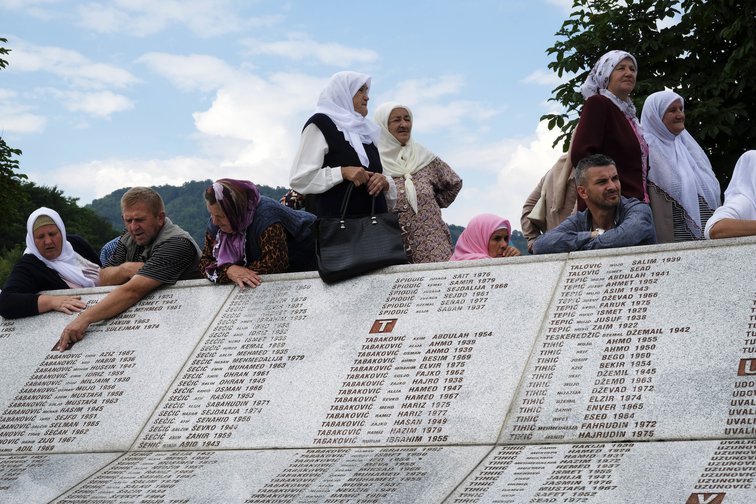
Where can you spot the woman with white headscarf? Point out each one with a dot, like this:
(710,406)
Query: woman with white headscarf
(682,187)
(737,216)
(609,125)
(425,184)
(51,261)
(337,147)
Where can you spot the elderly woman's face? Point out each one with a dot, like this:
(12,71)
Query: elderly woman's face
(622,79)
(400,125)
(48,241)
(360,99)
(218,217)
(674,118)
(498,242)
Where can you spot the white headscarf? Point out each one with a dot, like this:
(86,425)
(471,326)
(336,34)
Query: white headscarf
(400,160)
(740,196)
(67,264)
(598,80)
(336,101)
(677,164)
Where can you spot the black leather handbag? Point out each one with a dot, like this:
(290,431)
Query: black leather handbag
(350,246)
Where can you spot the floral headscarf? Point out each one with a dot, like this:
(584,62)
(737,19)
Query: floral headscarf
(598,80)
(238,199)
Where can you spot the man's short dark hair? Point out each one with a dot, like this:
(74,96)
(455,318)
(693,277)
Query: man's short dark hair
(590,162)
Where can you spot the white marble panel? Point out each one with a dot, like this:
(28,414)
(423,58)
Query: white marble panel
(685,472)
(426,356)
(40,478)
(377,475)
(97,395)
(660,344)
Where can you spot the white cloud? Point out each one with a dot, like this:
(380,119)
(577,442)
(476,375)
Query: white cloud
(300,47)
(543,78)
(265,117)
(36,8)
(15,117)
(193,72)
(504,173)
(205,18)
(72,66)
(414,91)
(433,108)
(98,178)
(565,5)
(100,104)
(467,118)
(20,122)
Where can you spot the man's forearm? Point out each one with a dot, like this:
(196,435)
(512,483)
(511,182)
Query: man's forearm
(117,275)
(120,299)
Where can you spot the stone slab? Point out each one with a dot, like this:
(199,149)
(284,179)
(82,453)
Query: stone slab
(40,478)
(97,395)
(658,344)
(685,472)
(399,474)
(415,357)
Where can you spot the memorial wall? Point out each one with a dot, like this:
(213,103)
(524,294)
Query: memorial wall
(599,377)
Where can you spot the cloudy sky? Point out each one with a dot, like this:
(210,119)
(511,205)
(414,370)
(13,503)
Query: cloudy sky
(101,95)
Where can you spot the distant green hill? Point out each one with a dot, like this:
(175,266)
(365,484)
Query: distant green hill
(184,204)
(186,207)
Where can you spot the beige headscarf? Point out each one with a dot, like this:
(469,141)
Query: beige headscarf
(400,160)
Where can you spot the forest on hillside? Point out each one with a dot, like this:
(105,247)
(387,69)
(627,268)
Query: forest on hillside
(185,206)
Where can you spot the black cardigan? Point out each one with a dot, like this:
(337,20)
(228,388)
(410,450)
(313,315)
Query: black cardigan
(341,153)
(30,276)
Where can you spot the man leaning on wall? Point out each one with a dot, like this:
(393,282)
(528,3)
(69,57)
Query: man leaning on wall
(152,252)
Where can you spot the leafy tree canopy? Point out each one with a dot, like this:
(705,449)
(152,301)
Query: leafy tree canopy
(704,51)
(10,178)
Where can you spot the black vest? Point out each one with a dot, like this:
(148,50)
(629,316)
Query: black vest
(341,153)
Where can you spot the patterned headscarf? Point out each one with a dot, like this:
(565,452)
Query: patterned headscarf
(336,101)
(400,160)
(68,264)
(238,199)
(598,80)
(473,242)
(677,164)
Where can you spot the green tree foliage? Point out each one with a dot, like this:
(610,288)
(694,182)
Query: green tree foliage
(10,181)
(705,51)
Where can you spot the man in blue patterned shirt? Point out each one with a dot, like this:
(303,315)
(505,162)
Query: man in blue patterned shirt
(609,221)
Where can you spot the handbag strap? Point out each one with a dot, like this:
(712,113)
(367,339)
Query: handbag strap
(345,204)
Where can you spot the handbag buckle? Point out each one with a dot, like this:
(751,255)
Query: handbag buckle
(373,220)
(342,226)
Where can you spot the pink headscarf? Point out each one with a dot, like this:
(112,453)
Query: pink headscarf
(473,242)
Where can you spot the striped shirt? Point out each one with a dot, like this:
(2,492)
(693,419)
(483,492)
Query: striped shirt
(170,261)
